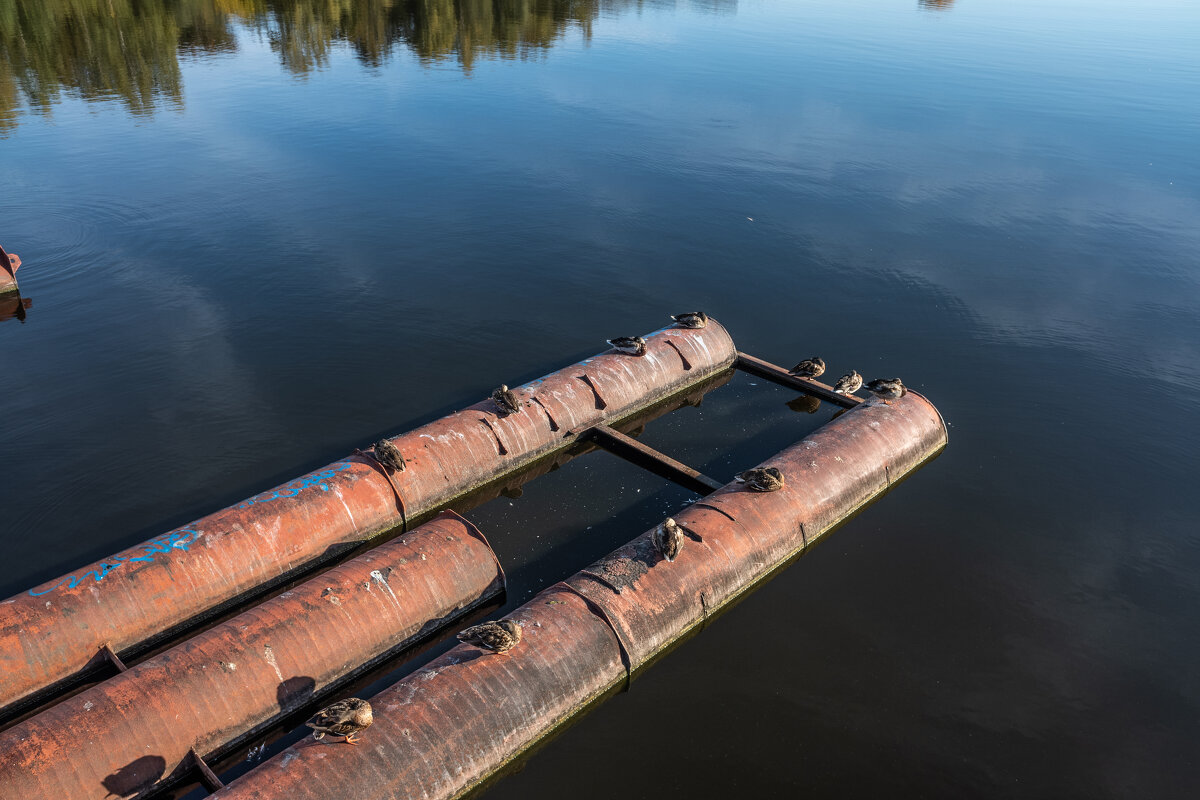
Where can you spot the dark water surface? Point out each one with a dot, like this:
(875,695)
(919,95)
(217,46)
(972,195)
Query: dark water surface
(258,233)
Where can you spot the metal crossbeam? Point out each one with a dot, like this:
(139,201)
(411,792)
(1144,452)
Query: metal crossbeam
(650,459)
(776,374)
(208,778)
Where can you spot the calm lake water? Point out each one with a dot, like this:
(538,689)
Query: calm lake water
(259,233)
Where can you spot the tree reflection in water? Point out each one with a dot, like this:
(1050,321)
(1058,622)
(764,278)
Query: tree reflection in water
(129,50)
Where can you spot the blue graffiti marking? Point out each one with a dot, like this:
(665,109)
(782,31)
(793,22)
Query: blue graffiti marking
(175,540)
(294,488)
(181,538)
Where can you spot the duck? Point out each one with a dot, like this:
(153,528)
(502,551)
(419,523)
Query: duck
(691,319)
(668,538)
(505,400)
(347,718)
(388,455)
(629,345)
(849,383)
(762,479)
(499,637)
(809,368)
(887,389)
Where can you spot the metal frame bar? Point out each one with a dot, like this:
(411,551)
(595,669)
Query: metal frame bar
(777,374)
(650,459)
(208,778)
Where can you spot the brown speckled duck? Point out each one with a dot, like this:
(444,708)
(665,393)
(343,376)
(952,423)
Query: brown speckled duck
(668,539)
(691,319)
(809,368)
(848,383)
(629,345)
(505,400)
(762,479)
(346,718)
(887,389)
(389,456)
(499,637)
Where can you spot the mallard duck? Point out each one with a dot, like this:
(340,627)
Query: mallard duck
(499,637)
(505,400)
(887,389)
(762,479)
(668,539)
(849,383)
(691,319)
(809,368)
(629,345)
(389,456)
(346,718)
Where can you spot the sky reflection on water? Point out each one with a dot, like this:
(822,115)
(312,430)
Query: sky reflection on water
(276,230)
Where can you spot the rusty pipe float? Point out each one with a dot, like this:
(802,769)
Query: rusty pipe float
(446,728)
(50,634)
(9,264)
(124,735)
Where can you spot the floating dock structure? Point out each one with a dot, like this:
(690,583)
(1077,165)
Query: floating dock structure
(56,634)
(455,723)
(125,734)
(449,726)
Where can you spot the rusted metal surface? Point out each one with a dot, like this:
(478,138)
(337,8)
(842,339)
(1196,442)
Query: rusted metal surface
(125,734)
(9,264)
(777,374)
(50,634)
(648,458)
(442,730)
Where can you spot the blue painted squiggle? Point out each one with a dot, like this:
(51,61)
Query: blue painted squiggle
(181,538)
(175,540)
(294,488)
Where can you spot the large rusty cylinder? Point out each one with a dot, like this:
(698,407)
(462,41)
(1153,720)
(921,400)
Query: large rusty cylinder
(125,735)
(147,593)
(443,730)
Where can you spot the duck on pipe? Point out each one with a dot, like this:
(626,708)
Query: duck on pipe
(441,731)
(125,735)
(51,634)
